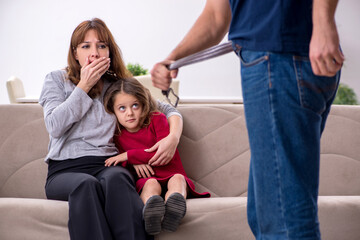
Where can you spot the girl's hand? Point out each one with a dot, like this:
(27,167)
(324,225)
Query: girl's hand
(116,159)
(166,148)
(144,170)
(91,72)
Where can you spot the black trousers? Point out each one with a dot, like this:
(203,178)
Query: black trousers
(103,202)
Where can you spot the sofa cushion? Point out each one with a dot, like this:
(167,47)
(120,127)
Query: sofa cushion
(40,219)
(339,217)
(213,218)
(47,219)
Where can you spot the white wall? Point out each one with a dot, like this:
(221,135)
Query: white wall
(34,40)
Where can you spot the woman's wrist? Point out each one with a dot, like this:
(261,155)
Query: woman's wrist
(176,126)
(175,137)
(84,87)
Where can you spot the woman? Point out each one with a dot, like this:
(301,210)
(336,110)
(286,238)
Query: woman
(103,202)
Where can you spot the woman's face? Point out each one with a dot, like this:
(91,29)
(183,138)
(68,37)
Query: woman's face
(91,48)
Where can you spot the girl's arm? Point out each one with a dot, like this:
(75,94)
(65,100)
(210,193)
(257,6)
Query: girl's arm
(60,113)
(142,170)
(122,157)
(160,127)
(133,156)
(208,30)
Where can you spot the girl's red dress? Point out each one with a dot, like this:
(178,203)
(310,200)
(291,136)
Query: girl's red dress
(136,143)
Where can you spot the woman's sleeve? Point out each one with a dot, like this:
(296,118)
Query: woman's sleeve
(167,109)
(60,113)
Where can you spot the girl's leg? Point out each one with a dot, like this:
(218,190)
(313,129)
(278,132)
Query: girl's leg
(176,184)
(175,207)
(154,208)
(151,187)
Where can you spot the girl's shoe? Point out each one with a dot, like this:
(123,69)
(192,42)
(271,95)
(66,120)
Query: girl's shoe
(175,209)
(153,213)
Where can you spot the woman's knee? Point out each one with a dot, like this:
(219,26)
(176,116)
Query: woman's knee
(116,179)
(113,174)
(88,183)
(61,186)
(85,187)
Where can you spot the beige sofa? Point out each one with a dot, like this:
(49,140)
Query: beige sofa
(215,153)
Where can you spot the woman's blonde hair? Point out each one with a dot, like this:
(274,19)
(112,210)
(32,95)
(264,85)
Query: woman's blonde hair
(117,66)
(132,87)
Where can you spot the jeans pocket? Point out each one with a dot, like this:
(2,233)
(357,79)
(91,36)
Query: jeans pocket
(251,58)
(316,92)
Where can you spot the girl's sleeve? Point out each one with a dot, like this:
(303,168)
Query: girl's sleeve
(60,113)
(161,129)
(139,156)
(135,156)
(167,109)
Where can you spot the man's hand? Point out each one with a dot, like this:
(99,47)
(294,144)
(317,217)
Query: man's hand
(161,76)
(325,55)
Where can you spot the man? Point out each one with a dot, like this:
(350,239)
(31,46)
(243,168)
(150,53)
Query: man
(290,70)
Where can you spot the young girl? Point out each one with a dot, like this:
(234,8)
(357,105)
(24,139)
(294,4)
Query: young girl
(140,126)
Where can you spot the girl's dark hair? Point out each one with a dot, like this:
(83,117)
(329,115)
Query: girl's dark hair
(117,66)
(132,87)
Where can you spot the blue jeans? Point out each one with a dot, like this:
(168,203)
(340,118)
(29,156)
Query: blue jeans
(286,107)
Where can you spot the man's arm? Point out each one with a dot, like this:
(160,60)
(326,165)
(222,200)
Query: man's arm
(325,55)
(208,30)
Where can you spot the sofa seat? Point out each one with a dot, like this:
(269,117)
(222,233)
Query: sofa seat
(30,218)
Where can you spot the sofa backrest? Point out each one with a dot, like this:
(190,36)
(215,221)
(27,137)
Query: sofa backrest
(214,150)
(340,152)
(23,147)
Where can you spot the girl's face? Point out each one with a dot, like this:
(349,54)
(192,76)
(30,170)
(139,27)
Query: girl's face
(91,48)
(128,110)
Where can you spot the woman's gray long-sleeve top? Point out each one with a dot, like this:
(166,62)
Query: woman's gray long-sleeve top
(78,125)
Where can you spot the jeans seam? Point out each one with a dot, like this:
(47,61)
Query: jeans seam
(253,62)
(269,75)
(298,79)
(276,155)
